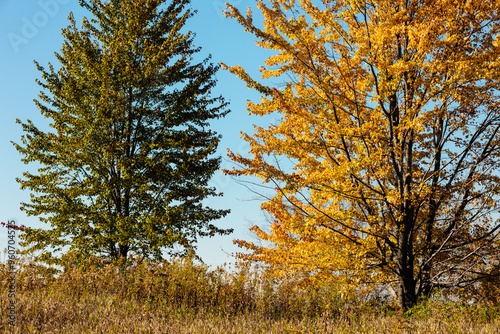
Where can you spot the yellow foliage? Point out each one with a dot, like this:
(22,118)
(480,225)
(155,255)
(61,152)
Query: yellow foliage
(390,118)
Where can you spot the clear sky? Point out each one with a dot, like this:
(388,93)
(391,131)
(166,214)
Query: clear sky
(31,30)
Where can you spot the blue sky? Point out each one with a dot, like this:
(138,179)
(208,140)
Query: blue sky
(31,30)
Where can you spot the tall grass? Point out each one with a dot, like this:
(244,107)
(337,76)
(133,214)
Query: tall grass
(186,297)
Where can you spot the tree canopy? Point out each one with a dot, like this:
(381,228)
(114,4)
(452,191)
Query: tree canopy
(385,157)
(125,168)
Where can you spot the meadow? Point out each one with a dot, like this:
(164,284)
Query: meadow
(184,296)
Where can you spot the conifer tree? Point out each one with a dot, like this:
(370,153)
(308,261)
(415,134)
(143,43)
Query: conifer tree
(126,167)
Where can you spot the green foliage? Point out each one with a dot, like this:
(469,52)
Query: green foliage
(438,308)
(127,164)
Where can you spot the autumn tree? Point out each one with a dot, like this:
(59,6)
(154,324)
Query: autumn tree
(126,167)
(385,157)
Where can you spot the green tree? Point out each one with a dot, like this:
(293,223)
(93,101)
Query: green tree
(127,166)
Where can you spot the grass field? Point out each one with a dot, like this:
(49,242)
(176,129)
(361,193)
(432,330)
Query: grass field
(184,297)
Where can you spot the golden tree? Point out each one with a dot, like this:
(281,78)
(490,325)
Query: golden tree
(390,127)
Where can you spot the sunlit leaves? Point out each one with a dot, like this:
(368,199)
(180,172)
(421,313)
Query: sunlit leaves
(127,164)
(389,126)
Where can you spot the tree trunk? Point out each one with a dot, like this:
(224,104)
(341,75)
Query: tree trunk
(407,297)
(123,251)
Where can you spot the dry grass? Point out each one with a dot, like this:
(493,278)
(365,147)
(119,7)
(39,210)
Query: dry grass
(183,297)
